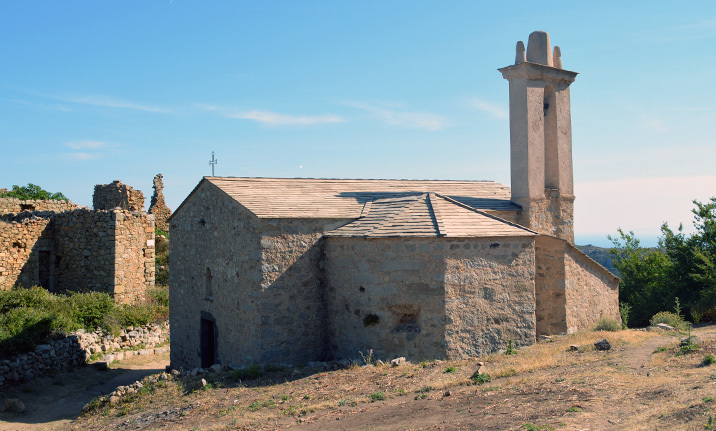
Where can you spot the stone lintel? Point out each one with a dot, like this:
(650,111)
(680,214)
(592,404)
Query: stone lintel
(534,71)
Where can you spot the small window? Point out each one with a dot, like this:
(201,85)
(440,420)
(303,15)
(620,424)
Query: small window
(208,289)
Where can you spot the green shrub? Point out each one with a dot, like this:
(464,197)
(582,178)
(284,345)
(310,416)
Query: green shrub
(667,317)
(607,324)
(32,316)
(377,396)
(708,360)
(624,311)
(248,373)
(480,379)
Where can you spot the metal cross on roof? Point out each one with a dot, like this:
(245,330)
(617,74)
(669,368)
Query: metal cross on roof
(212,162)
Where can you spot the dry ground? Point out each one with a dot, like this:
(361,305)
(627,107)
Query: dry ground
(644,382)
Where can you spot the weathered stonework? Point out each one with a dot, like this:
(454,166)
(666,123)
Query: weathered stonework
(117,195)
(16,206)
(74,350)
(80,250)
(158,207)
(572,291)
(440,298)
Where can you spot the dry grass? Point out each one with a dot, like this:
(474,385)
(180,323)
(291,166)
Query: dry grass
(554,384)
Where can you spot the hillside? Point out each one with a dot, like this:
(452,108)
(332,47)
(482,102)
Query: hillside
(643,382)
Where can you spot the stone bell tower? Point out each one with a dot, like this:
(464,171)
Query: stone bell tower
(541,137)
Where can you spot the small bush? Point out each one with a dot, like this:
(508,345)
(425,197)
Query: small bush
(624,311)
(708,360)
(667,317)
(510,349)
(377,396)
(607,324)
(480,379)
(450,369)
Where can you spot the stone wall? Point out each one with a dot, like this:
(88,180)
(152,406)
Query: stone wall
(75,349)
(572,291)
(117,195)
(79,250)
(552,215)
(429,297)
(216,274)
(16,206)
(550,287)
(133,255)
(490,294)
(592,291)
(292,303)
(158,207)
(20,238)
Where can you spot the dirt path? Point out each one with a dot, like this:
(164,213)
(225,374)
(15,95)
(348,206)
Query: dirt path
(52,403)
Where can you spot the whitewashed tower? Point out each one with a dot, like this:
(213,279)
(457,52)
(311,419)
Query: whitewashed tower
(541,137)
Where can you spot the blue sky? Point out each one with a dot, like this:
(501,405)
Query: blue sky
(91,92)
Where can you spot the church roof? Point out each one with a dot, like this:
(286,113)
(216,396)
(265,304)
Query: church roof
(335,198)
(426,215)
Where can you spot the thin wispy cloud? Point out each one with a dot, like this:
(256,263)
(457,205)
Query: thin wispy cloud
(492,109)
(274,118)
(389,113)
(108,102)
(86,150)
(84,145)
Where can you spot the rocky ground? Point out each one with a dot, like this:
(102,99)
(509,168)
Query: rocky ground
(644,381)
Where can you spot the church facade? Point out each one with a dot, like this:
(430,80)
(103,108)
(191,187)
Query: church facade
(288,271)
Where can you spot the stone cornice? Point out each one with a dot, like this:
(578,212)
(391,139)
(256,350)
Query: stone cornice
(534,71)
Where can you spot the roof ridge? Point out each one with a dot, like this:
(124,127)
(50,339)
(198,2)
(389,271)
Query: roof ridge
(436,216)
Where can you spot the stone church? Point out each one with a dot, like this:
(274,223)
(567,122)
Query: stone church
(287,271)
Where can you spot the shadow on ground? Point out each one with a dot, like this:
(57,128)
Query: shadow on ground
(53,401)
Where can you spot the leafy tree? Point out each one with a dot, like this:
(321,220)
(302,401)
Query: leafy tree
(33,191)
(683,266)
(643,277)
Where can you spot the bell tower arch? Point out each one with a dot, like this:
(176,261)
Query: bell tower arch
(541,137)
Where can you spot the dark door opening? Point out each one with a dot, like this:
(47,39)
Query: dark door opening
(208,343)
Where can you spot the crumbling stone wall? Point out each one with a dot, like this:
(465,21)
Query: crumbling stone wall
(80,250)
(116,194)
(429,297)
(158,207)
(75,349)
(19,236)
(134,255)
(16,206)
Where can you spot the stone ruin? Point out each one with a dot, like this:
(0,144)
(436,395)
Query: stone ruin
(158,207)
(63,247)
(117,195)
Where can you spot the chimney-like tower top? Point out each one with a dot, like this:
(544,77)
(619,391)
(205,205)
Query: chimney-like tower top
(538,51)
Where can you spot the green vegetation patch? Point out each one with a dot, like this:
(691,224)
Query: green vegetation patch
(29,317)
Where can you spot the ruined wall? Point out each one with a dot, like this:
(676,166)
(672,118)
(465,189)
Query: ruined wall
(216,269)
(158,207)
(489,294)
(84,248)
(21,238)
(429,298)
(16,206)
(292,304)
(116,194)
(133,255)
(592,291)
